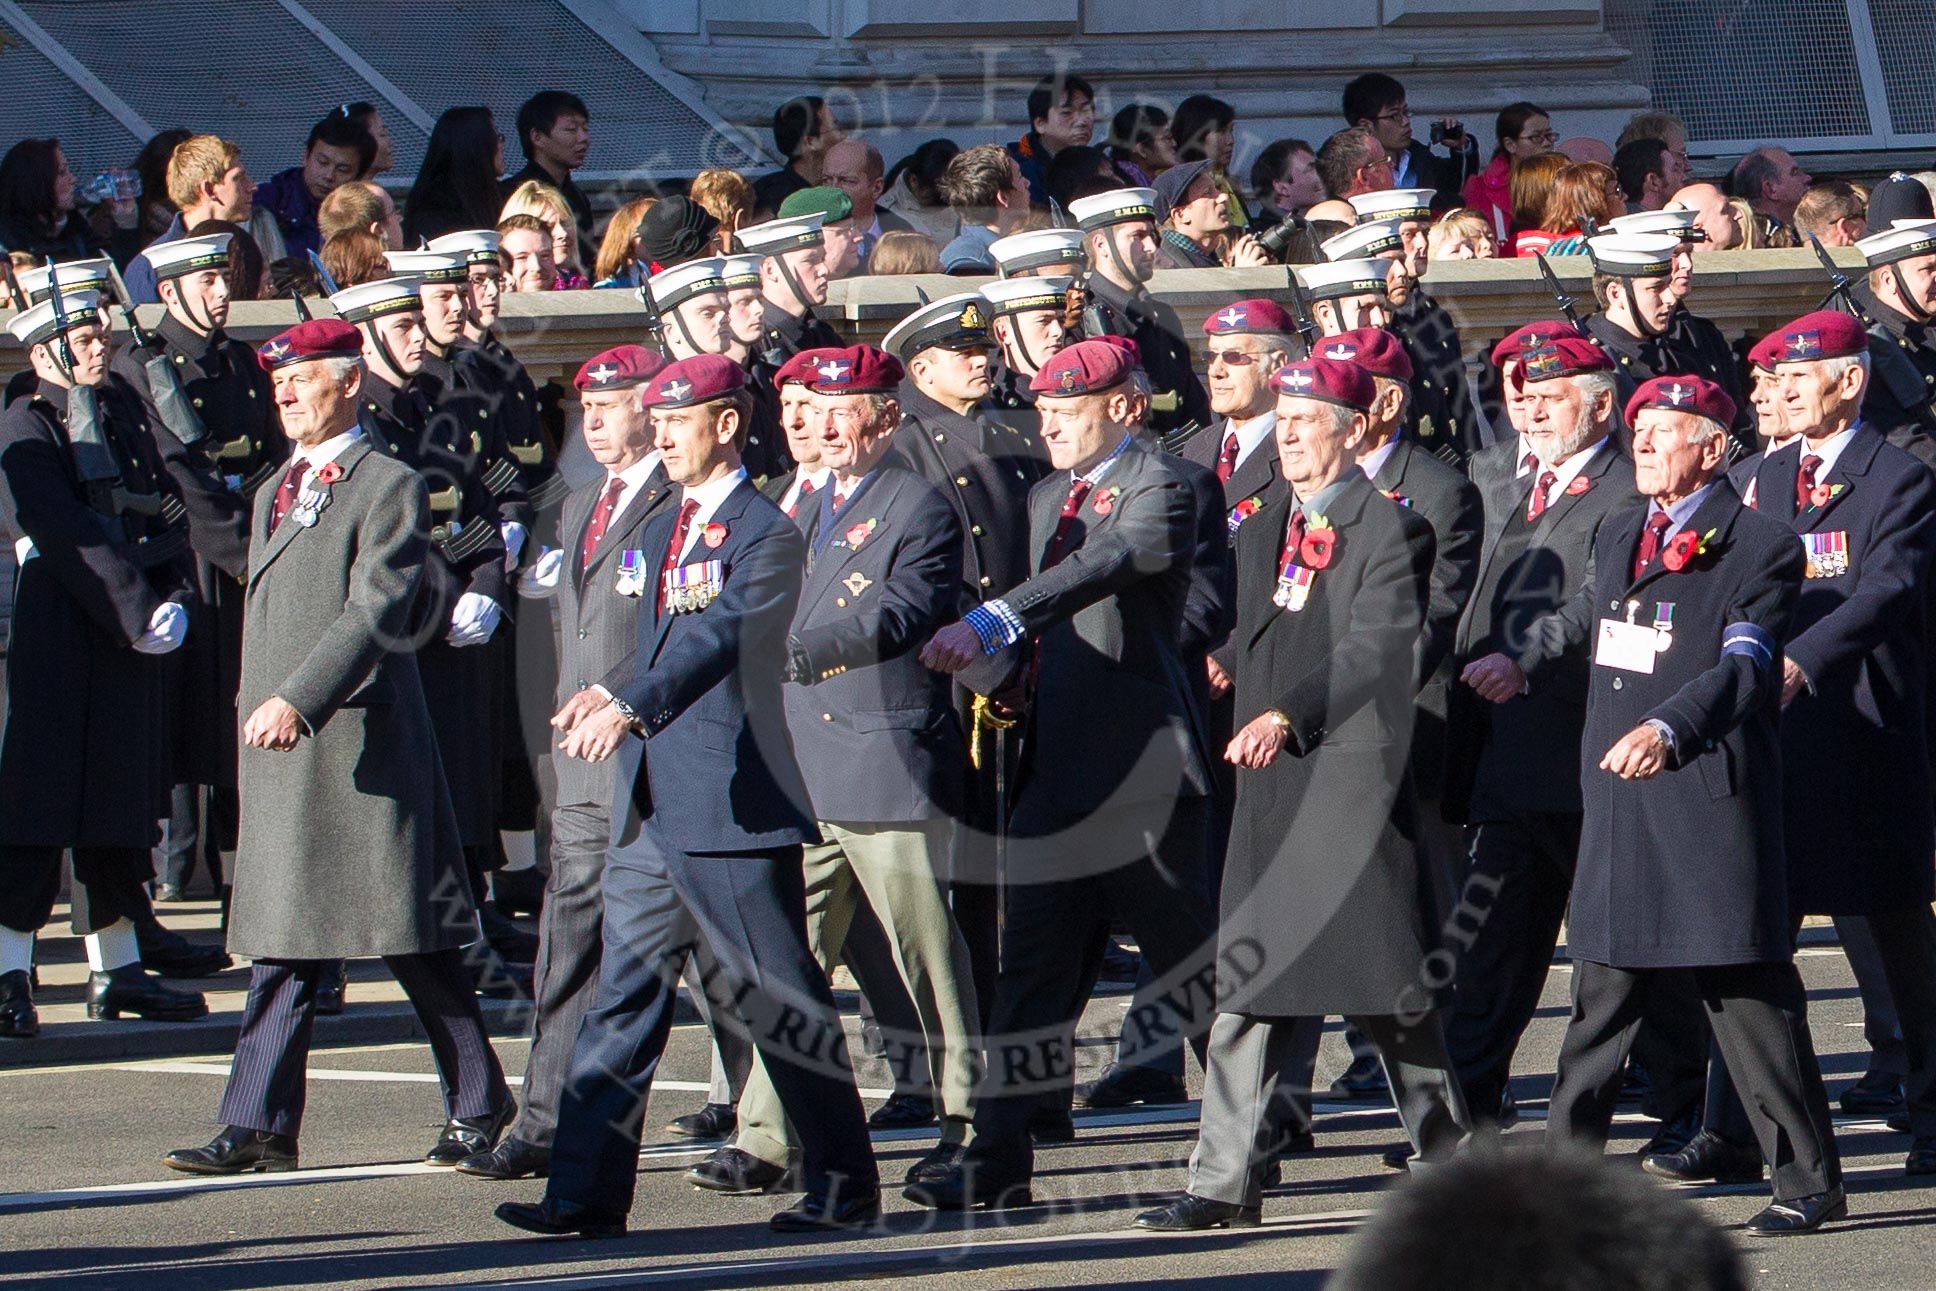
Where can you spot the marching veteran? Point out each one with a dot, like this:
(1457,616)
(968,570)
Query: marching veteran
(348,845)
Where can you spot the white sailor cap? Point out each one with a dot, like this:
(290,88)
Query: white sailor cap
(1117,206)
(1634,255)
(673,287)
(477,246)
(1676,223)
(1341,278)
(1026,295)
(32,326)
(1364,239)
(1037,249)
(1902,240)
(776,237)
(958,322)
(741,271)
(184,256)
(368,300)
(430,266)
(1393,204)
(74,275)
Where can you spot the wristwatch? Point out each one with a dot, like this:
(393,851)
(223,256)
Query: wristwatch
(626,711)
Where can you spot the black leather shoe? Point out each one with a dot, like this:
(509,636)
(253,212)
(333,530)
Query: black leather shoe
(1119,963)
(469,1136)
(737,1174)
(518,892)
(978,1179)
(237,1151)
(1192,1214)
(1121,1086)
(814,1214)
(128,989)
(903,1112)
(1899,1121)
(713,1121)
(1709,1158)
(941,1158)
(561,1219)
(1050,1126)
(511,1159)
(512,942)
(1878,1093)
(1363,1079)
(169,954)
(19,1019)
(333,989)
(1922,1156)
(1398,1158)
(1673,1135)
(1802,1215)
(497,978)
(169,894)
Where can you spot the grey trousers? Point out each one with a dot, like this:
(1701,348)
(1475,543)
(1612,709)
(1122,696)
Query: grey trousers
(1257,1069)
(902,868)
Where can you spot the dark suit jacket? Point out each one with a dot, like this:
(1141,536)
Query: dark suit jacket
(599,628)
(1686,869)
(1450,504)
(875,731)
(1112,717)
(1859,826)
(1322,872)
(1523,755)
(716,773)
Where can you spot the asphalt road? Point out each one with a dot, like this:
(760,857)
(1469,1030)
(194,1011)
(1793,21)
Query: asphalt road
(88,1205)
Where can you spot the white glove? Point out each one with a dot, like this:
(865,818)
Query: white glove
(514,536)
(474,619)
(540,582)
(166,629)
(24,550)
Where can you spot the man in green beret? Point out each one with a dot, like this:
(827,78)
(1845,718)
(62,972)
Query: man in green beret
(840,238)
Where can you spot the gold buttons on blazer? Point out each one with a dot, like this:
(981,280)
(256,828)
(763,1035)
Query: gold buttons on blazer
(961,481)
(841,602)
(975,529)
(826,717)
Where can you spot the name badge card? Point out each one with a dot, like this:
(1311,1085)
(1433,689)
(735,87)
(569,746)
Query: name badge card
(1628,646)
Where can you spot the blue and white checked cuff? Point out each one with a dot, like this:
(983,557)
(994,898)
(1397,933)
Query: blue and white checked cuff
(998,626)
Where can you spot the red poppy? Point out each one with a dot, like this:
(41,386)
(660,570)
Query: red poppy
(1318,547)
(1680,551)
(1820,496)
(328,473)
(713,534)
(1104,504)
(1579,485)
(857,534)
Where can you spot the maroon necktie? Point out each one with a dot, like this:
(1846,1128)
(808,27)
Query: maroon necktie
(806,491)
(601,519)
(687,510)
(286,492)
(1078,490)
(1293,538)
(1650,540)
(1805,483)
(1227,459)
(1536,505)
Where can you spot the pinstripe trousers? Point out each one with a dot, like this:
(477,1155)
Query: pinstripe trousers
(266,1086)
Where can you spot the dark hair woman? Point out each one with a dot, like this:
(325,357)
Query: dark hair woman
(456,186)
(1523,130)
(38,212)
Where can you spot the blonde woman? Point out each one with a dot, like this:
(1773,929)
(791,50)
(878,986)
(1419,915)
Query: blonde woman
(548,204)
(1464,234)
(727,197)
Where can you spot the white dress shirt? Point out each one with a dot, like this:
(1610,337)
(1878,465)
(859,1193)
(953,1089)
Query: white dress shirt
(710,497)
(1829,450)
(820,478)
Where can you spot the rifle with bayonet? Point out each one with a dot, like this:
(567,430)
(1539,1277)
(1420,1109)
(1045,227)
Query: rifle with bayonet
(1563,300)
(1307,328)
(1838,291)
(172,404)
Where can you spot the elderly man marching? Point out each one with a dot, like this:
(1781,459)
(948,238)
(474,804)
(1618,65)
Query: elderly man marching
(1323,902)
(1682,867)
(348,845)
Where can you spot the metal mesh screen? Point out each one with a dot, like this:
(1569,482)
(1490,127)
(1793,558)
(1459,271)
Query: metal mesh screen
(39,100)
(1752,69)
(1905,32)
(498,52)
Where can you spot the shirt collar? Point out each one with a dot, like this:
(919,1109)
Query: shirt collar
(635,475)
(1374,461)
(330,449)
(1681,512)
(1095,473)
(1321,502)
(1251,433)
(1829,450)
(1564,473)
(710,495)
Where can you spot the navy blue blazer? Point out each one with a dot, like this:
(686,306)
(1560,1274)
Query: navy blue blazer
(716,772)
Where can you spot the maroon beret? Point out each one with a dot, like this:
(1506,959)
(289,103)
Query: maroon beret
(1824,334)
(1531,337)
(1249,316)
(1087,367)
(799,368)
(1683,394)
(858,369)
(1766,353)
(1127,344)
(1376,351)
(699,379)
(1338,381)
(319,338)
(1569,356)
(619,368)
